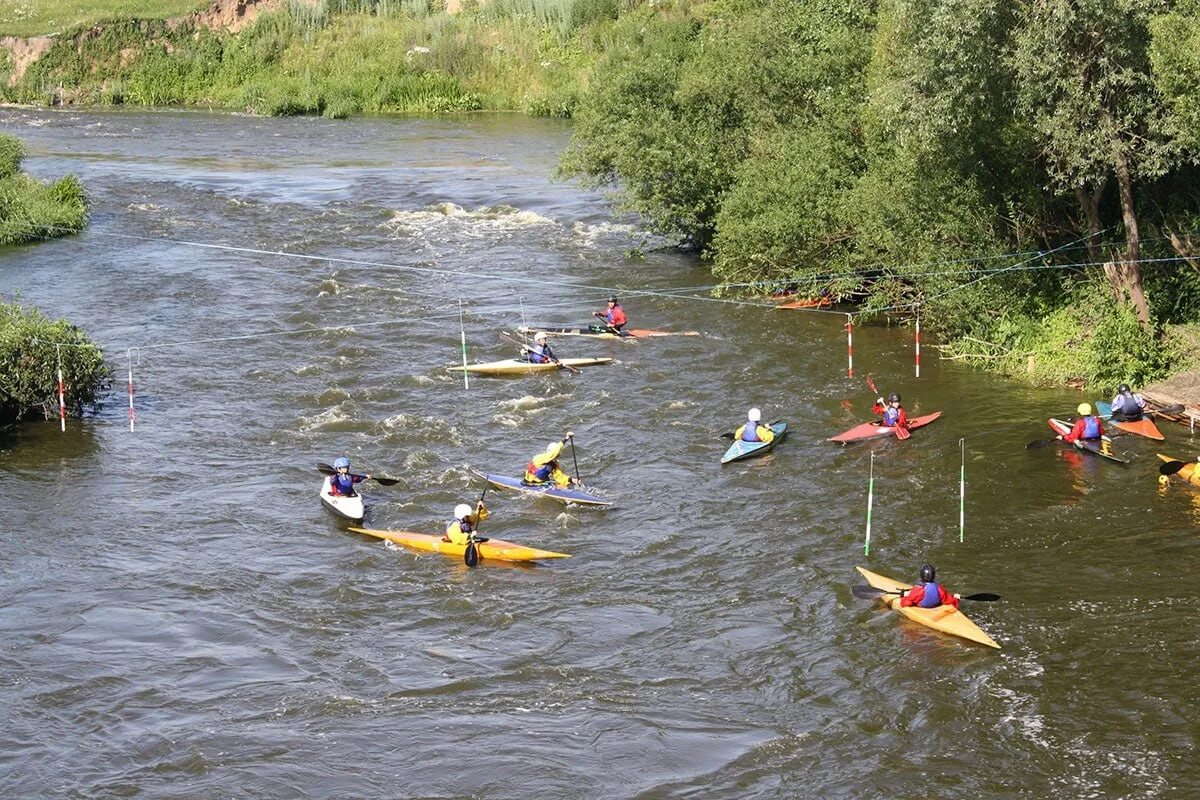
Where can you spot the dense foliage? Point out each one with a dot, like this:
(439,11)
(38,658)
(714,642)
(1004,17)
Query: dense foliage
(31,210)
(31,349)
(1023,172)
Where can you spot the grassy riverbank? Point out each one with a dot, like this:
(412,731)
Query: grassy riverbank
(31,210)
(39,18)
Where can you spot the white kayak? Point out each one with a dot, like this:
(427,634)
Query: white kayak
(350,508)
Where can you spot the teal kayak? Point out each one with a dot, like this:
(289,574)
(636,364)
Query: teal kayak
(740,450)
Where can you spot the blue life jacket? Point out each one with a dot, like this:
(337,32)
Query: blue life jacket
(933,595)
(539,354)
(342,484)
(750,432)
(543,472)
(891,416)
(1092,428)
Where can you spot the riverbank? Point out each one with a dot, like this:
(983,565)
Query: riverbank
(31,210)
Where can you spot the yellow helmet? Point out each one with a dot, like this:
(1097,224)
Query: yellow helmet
(1085,409)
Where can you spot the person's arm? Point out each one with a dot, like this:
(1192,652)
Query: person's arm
(902,420)
(947,598)
(879,407)
(765,434)
(912,596)
(1076,431)
(360,478)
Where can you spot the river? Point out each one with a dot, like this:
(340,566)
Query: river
(181,618)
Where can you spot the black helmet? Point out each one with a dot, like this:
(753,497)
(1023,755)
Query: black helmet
(893,398)
(927,573)
(613,299)
(1124,389)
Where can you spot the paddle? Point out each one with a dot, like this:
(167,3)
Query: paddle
(870,593)
(901,433)
(571,436)
(471,554)
(1171,467)
(553,359)
(326,469)
(1038,443)
(1175,408)
(729,434)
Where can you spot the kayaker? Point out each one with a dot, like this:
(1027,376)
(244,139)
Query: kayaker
(892,412)
(1087,427)
(1127,406)
(928,593)
(613,316)
(540,353)
(544,467)
(465,522)
(341,483)
(753,430)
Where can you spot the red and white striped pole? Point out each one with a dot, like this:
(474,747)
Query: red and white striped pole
(62,396)
(918,340)
(131,414)
(849,346)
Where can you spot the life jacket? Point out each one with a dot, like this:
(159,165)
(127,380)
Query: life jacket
(750,432)
(1092,428)
(1128,406)
(539,354)
(933,595)
(615,316)
(342,485)
(538,474)
(891,416)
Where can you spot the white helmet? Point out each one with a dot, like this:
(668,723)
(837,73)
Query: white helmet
(462,511)
(539,337)
(755,415)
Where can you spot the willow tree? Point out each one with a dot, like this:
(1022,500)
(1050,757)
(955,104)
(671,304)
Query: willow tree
(1085,83)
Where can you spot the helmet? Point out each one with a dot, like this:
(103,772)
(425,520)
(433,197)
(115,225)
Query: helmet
(893,398)
(554,448)
(338,463)
(462,511)
(927,572)
(754,415)
(613,299)
(539,337)
(1124,389)
(1085,409)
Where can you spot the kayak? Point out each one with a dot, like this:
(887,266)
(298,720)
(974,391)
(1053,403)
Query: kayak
(815,302)
(1142,427)
(494,549)
(1101,447)
(596,332)
(740,450)
(946,619)
(870,430)
(1188,473)
(561,494)
(350,508)
(513,366)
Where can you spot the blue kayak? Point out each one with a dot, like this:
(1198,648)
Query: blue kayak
(739,449)
(561,494)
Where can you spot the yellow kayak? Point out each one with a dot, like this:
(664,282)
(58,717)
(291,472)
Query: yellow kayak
(495,549)
(1188,473)
(946,619)
(513,366)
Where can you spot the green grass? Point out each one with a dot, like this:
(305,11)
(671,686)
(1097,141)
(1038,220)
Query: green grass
(39,17)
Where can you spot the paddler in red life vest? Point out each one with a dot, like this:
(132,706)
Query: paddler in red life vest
(464,523)
(1127,406)
(544,467)
(1087,427)
(928,593)
(540,353)
(753,430)
(613,316)
(341,483)
(892,412)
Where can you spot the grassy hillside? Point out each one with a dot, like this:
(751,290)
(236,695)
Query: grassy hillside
(38,17)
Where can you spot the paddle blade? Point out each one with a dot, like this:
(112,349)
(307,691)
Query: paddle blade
(727,435)
(386,481)
(471,554)
(902,433)
(1039,443)
(981,597)
(1171,467)
(1171,409)
(871,384)
(326,469)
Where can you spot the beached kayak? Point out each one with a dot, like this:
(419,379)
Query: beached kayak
(350,508)
(1101,447)
(1189,472)
(814,302)
(946,619)
(1143,427)
(740,450)
(561,494)
(597,332)
(871,430)
(513,366)
(493,549)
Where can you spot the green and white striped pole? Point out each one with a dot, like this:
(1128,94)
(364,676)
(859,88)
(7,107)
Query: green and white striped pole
(870,502)
(962,490)
(462,332)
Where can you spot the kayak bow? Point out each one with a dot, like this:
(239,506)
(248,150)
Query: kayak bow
(495,549)
(871,430)
(945,619)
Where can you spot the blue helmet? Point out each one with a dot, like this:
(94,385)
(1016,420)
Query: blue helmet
(341,462)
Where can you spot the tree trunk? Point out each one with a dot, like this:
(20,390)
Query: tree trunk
(1090,203)
(1128,271)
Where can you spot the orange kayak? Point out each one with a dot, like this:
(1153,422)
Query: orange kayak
(495,549)
(812,302)
(1142,427)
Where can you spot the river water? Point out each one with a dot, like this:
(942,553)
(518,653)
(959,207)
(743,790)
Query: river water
(180,617)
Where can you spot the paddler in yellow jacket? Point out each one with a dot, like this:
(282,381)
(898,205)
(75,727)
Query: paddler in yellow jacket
(464,523)
(754,430)
(544,467)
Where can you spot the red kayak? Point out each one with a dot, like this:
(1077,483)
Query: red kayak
(872,430)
